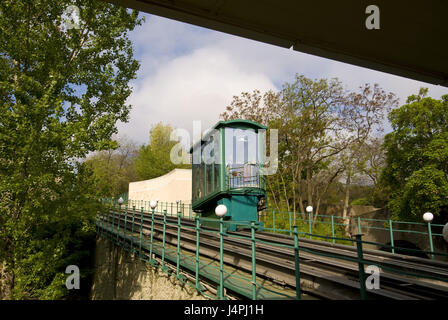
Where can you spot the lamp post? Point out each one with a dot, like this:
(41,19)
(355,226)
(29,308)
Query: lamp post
(221,211)
(120,202)
(309,210)
(428,216)
(153,205)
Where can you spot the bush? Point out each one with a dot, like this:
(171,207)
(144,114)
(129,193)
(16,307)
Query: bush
(361,202)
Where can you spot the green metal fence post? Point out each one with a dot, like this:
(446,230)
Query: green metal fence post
(431,247)
(113,222)
(118,225)
(107,223)
(391,231)
(163,239)
(290,224)
(125,212)
(273,219)
(221,258)
(152,236)
(332,229)
(362,274)
(296,263)
(310,225)
(141,234)
(132,229)
(125,225)
(254,265)
(100,224)
(197,253)
(359,225)
(178,245)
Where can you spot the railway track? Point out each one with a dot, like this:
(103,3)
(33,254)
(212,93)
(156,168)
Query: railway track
(321,275)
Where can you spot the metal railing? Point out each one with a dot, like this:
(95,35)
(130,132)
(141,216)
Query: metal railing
(332,226)
(245,176)
(339,227)
(172,208)
(124,227)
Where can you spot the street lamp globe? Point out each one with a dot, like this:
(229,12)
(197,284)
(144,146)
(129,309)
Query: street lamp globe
(153,204)
(221,210)
(309,209)
(428,216)
(120,201)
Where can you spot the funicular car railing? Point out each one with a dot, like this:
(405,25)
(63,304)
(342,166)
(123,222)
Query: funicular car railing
(245,176)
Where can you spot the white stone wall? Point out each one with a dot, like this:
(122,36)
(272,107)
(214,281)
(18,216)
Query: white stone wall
(173,186)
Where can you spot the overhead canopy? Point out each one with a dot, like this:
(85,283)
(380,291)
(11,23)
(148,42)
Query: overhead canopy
(411,41)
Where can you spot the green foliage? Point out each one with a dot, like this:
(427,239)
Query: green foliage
(61,94)
(324,134)
(321,226)
(153,160)
(416,172)
(113,169)
(361,202)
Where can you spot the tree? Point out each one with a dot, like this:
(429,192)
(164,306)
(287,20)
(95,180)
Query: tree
(113,169)
(416,171)
(375,161)
(313,126)
(153,160)
(61,94)
(324,133)
(306,114)
(254,106)
(363,113)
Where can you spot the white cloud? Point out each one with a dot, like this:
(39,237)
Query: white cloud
(190,73)
(197,86)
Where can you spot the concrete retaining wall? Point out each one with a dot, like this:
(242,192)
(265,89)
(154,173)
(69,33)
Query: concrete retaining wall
(123,276)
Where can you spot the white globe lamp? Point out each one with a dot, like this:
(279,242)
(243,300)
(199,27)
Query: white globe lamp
(153,204)
(428,216)
(221,210)
(120,201)
(309,209)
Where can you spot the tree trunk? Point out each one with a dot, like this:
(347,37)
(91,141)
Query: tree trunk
(285,193)
(294,201)
(273,196)
(302,209)
(345,211)
(309,192)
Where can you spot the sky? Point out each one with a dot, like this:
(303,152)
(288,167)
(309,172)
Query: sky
(190,73)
